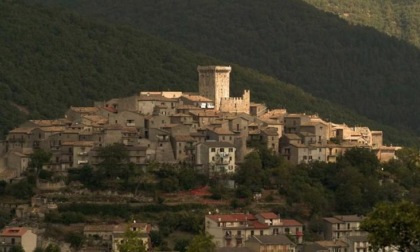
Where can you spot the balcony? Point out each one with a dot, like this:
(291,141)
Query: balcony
(228,236)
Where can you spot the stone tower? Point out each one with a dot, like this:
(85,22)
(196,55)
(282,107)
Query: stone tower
(213,83)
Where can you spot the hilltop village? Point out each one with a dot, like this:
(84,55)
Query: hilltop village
(209,131)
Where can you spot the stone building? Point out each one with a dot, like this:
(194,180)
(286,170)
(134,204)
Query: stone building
(214,83)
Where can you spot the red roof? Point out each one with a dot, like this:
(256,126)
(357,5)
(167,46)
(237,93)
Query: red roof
(259,225)
(291,222)
(13,231)
(269,215)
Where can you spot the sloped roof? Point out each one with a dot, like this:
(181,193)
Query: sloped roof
(271,239)
(21,130)
(269,215)
(13,232)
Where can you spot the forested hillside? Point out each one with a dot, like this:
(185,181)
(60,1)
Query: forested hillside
(355,66)
(399,18)
(53,59)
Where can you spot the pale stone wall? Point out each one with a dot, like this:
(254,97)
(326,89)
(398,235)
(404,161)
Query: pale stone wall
(213,82)
(236,104)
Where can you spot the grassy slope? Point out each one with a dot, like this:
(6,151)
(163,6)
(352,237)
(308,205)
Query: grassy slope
(53,59)
(355,66)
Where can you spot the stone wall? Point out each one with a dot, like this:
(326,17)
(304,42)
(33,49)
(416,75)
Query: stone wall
(236,104)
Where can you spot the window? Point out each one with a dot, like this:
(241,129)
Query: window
(230,149)
(213,149)
(212,158)
(261,232)
(252,232)
(222,149)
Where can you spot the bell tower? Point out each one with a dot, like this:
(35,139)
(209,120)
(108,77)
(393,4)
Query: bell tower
(213,83)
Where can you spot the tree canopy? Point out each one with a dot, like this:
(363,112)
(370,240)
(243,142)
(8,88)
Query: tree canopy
(394,225)
(68,60)
(132,242)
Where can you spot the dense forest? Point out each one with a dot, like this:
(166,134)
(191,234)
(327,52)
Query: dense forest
(399,18)
(52,59)
(355,66)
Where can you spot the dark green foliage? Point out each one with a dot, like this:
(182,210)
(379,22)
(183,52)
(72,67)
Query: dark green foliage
(59,57)
(65,217)
(394,225)
(76,240)
(3,185)
(181,221)
(357,67)
(16,248)
(181,245)
(114,161)
(156,238)
(52,248)
(5,218)
(38,159)
(394,17)
(20,190)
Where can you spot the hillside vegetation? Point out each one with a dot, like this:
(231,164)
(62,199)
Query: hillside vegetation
(399,18)
(355,66)
(53,59)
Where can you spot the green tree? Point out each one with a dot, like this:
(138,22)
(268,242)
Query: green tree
(132,242)
(76,240)
(181,245)
(202,243)
(16,248)
(39,158)
(394,224)
(52,248)
(114,160)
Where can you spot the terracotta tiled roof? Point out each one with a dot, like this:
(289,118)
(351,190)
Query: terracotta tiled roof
(269,215)
(258,225)
(53,129)
(291,222)
(196,98)
(14,231)
(21,130)
(54,122)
